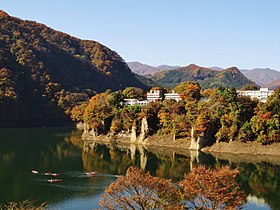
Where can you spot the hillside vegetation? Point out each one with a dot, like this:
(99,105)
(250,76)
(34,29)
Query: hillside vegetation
(224,116)
(206,77)
(44,72)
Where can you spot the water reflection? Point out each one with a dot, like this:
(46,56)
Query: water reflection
(22,150)
(115,159)
(63,151)
(260,180)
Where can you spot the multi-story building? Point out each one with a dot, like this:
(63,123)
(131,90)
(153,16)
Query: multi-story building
(261,94)
(172,95)
(154,95)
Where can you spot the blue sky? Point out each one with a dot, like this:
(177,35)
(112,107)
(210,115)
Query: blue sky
(242,33)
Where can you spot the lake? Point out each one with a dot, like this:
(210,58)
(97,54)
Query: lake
(60,150)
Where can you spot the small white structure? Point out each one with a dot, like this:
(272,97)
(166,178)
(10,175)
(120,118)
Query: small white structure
(154,95)
(261,94)
(143,103)
(173,95)
(130,102)
(133,101)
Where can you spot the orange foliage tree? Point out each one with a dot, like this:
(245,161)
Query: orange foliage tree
(100,111)
(202,188)
(212,189)
(139,190)
(78,111)
(189,90)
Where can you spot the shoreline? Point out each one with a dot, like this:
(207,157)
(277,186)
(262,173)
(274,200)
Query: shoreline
(252,152)
(247,148)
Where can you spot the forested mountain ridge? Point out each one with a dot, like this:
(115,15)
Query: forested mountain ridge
(41,68)
(207,78)
(261,76)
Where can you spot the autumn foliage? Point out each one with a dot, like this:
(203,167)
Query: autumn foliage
(44,73)
(202,188)
(139,190)
(223,116)
(208,78)
(206,188)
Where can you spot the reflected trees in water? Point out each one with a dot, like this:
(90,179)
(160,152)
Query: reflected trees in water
(260,180)
(116,159)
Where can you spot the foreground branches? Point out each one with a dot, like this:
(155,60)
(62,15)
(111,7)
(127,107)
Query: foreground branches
(202,188)
(26,204)
(212,189)
(138,190)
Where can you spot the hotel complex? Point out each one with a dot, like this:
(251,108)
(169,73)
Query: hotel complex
(152,96)
(261,94)
(156,95)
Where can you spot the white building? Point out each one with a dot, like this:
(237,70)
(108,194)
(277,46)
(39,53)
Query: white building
(173,95)
(261,94)
(154,95)
(133,101)
(143,103)
(130,102)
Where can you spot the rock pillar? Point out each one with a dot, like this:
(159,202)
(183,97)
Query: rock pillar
(133,136)
(144,130)
(196,143)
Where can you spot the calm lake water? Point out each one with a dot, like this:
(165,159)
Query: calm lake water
(60,150)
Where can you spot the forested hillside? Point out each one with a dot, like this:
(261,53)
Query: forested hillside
(43,72)
(206,77)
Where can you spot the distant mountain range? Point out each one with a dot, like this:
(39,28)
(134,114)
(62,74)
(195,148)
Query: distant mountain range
(261,76)
(216,68)
(142,69)
(167,67)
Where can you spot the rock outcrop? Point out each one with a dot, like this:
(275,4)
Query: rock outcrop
(89,133)
(144,131)
(92,134)
(80,126)
(197,143)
